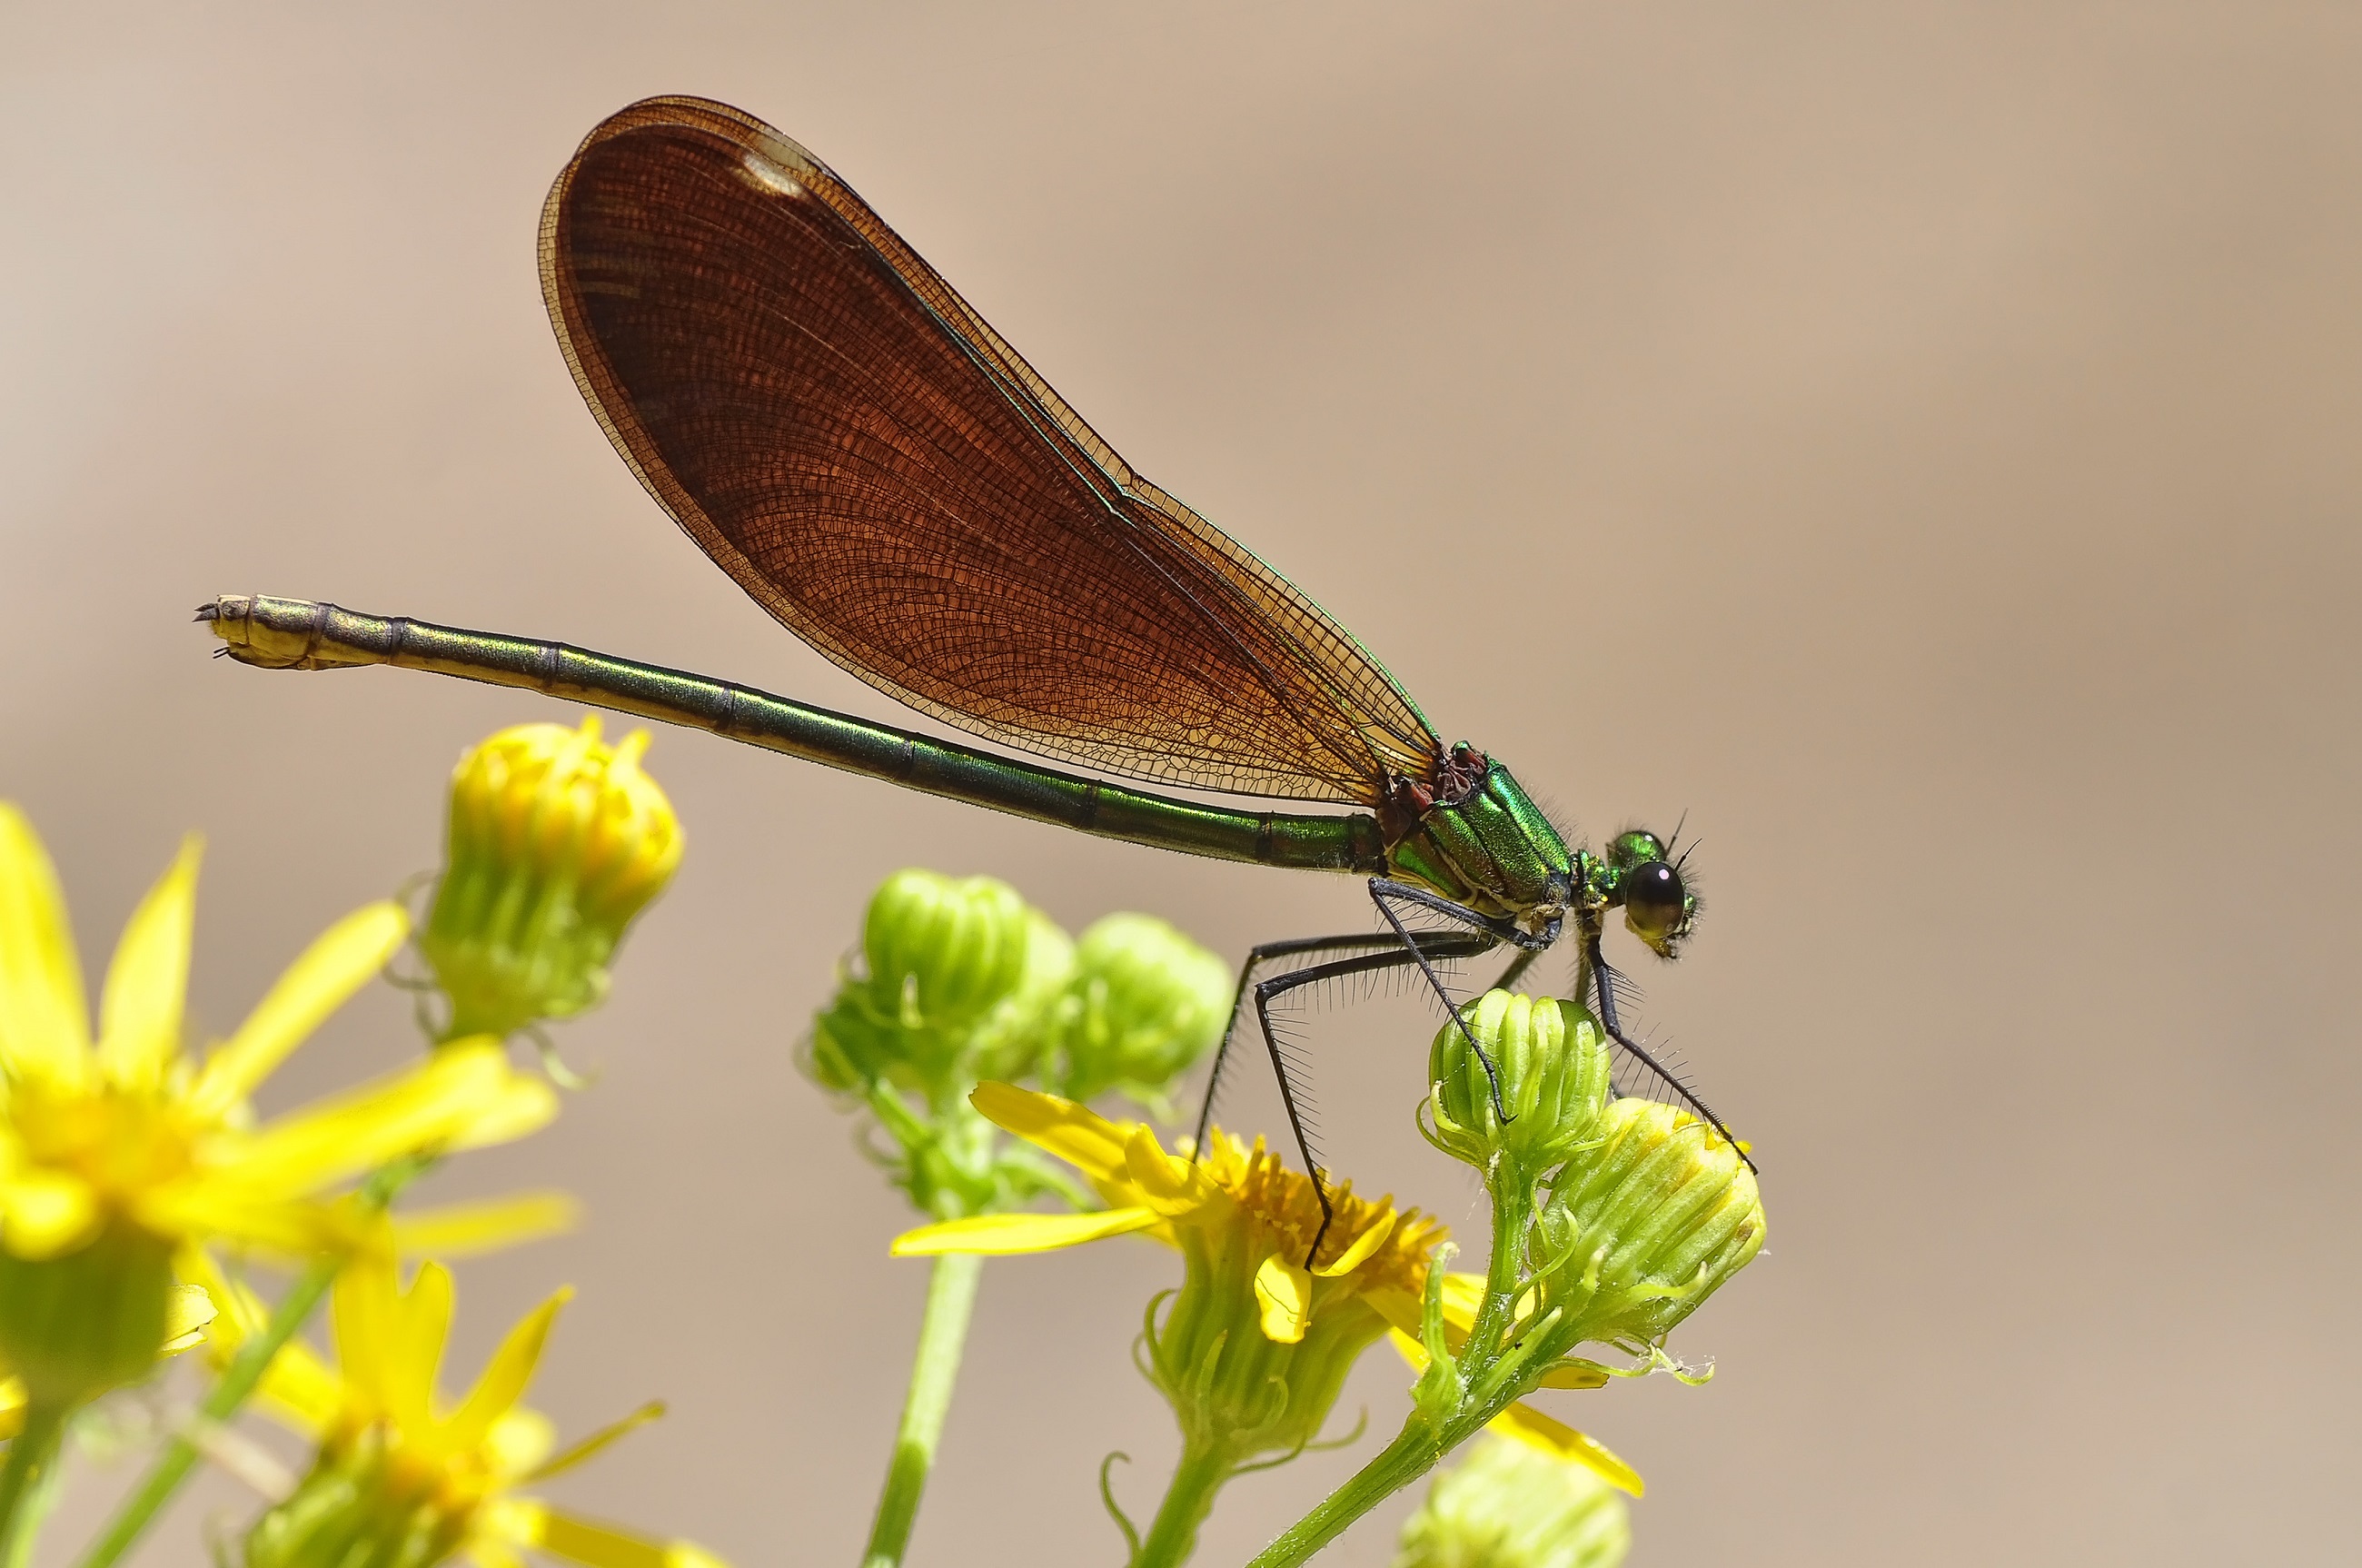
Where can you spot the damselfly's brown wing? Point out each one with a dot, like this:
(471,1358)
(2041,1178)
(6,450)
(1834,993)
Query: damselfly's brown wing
(853,443)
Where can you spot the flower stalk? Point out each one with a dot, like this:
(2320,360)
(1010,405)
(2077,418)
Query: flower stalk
(959,979)
(942,1334)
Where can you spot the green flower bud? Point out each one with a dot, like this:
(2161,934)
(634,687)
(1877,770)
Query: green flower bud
(1552,1061)
(75,1325)
(1508,1505)
(940,955)
(556,843)
(1009,1044)
(1145,1002)
(1645,1225)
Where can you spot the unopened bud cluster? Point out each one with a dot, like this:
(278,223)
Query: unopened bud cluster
(1627,1214)
(942,958)
(557,842)
(959,980)
(1144,1002)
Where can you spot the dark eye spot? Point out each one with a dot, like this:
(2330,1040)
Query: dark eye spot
(1653,898)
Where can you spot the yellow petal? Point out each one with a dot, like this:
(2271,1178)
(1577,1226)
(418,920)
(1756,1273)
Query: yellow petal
(139,1013)
(428,1107)
(11,1406)
(1463,1295)
(505,1376)
(1076,1133)
(1168,1184)
(186,1314)
(197,1208)
(419,1326)
(582,1540)
(1558,1439)
(43,1213)
(520,1440)
(997,1235)
(524,1105)
(344,959)
(1285,1289)
(43,1030)
(595,1443)
(463,1230)
(1367,1243)
(1399,1307)
(300,1391)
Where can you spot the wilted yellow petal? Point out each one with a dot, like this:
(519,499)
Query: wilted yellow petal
(139,1013)
(43,1213)
(463,1230)
(344,958)
(994,1236)
(1284,1291)
(1558,1439)
(1076,1133)
(1367,1243)
(187,1312)
(44,1031)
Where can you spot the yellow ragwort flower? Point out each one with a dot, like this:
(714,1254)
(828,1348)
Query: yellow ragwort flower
(401,1475)
(131,1130)
(1243,1204)
(557,841)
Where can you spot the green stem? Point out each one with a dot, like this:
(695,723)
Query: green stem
(1412,1454)
(171,1466)
(1428,1435)
(951,1299)
(29,1457)
(1187,1501)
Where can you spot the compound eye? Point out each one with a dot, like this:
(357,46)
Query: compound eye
(1656,905)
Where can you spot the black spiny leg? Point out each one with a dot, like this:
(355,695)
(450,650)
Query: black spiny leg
(1602,986)
(1257,956)
(1381,890)
(1447,944)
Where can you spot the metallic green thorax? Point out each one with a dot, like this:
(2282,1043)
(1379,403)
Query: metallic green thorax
(1472,834)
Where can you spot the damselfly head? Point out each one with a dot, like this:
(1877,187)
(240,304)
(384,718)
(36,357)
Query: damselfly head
(1659,906)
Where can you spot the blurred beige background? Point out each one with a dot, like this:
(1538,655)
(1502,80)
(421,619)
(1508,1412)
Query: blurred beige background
(1919,442)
